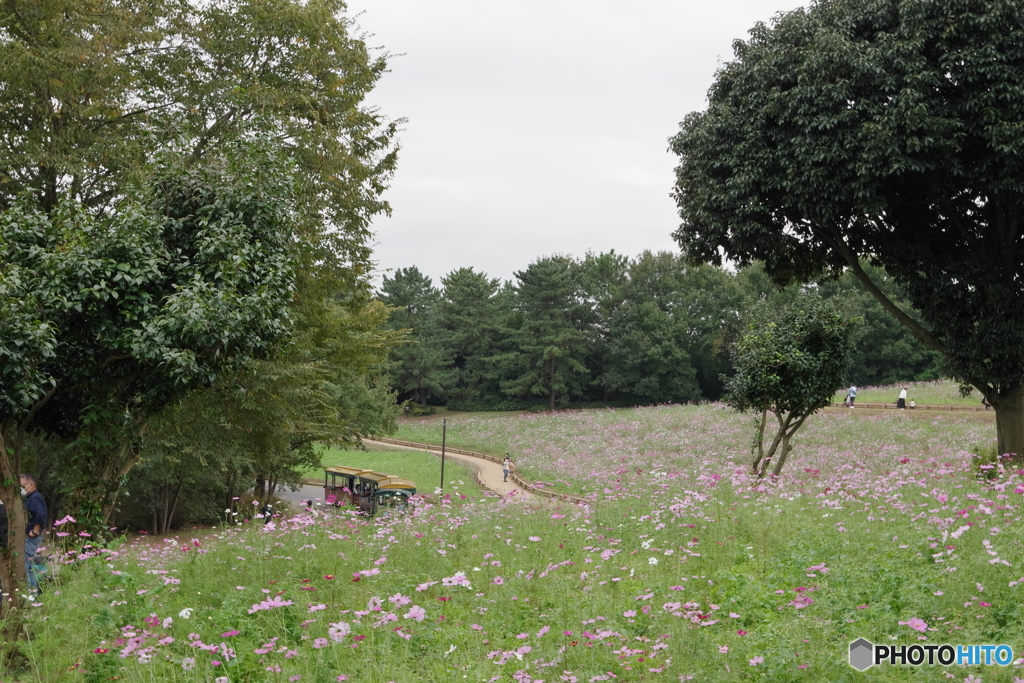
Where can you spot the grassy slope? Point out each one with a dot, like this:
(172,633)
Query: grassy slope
(422,468)
(683,567)
(942,392)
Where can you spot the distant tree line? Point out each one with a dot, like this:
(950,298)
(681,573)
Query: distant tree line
(606,329)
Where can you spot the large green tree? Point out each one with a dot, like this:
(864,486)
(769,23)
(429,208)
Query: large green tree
(103,322)
(470,317)
(887,131)
(92,87)
(422,368)
(549,344)
(703,301)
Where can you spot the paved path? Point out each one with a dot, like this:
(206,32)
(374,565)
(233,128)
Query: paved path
(489,473)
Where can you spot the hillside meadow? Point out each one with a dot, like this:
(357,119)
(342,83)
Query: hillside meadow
(939,392)
(681,568)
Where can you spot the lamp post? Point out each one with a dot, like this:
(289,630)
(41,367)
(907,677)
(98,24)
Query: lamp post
(444,436)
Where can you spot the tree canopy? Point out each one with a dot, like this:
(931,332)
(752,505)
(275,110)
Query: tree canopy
(790,361)
(879,130)
(106,321)
(185,197)
(91,88)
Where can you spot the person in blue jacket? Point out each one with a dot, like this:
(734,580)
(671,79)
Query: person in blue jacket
(35,510)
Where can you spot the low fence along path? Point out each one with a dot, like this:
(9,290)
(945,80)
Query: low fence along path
(488,468)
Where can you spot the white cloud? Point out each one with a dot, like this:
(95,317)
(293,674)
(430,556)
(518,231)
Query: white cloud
(540,127)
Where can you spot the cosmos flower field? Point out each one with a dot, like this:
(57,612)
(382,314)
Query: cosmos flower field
(682,567)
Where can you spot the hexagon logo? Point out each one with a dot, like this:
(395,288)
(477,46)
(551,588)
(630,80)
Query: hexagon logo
(862,654)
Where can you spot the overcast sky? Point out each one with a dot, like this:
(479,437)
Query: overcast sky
(540,127)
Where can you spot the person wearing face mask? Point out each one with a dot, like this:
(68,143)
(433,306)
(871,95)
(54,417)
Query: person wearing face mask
(35,510)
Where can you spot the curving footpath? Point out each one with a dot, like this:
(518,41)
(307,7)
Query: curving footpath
(488,469)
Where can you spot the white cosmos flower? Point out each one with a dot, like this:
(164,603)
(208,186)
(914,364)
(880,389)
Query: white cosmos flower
(185,613)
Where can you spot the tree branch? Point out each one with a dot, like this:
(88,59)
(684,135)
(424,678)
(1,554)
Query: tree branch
(832,237)
(32,414)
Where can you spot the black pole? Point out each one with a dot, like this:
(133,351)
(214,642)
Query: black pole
(444,436)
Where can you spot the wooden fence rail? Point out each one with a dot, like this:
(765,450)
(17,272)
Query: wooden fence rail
(524,484)
(892,406)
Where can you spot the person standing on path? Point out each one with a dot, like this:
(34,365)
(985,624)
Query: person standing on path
(901,402)
(851,395)
(507,466)
(35,510)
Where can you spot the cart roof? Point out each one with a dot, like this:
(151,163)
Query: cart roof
(397,483)
(350,471)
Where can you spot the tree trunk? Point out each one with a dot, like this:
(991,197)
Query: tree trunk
(551,380)
(12,560)
(760,441)
(114,488)
(1009,407)
(174,504)
(423,397)
(776,441)
(786,448)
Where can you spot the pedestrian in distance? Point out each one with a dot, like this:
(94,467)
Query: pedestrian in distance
(901,402)
(35,510)
(507,466)
(851,395)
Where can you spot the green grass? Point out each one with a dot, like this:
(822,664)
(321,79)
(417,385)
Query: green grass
(422,468)
(941,392)
(678,557)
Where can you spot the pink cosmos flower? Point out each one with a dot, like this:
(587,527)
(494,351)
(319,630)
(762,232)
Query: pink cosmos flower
(273,602)
(916,624)
(757,660)
(416,612)
(399,599)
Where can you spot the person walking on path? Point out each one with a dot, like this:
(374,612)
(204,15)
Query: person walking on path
(35,510)
(851,395)
(507,466)
(901,402)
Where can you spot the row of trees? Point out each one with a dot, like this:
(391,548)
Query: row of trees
(607,329)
